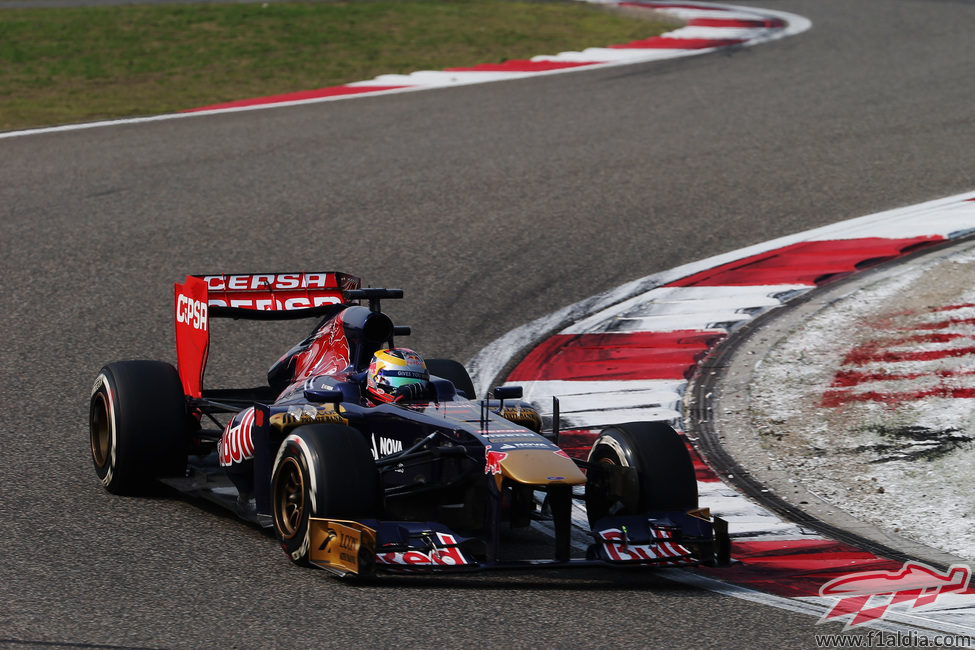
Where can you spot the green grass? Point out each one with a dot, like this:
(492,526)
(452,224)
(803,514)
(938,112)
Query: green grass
(77,64)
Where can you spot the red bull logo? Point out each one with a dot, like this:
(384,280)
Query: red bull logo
(493,460)
(447,555)
(619,549)
(914,583)
(236,444)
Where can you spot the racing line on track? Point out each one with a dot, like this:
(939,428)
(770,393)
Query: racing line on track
(629,354)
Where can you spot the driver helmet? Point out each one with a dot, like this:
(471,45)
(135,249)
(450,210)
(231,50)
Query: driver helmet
(397,374)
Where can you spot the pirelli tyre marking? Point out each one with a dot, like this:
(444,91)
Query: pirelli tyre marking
(312,500)
(104,448)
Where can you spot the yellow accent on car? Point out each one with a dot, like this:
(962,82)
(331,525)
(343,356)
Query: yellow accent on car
(338,545)
(541,467)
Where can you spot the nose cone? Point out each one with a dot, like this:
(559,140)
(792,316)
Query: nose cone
(541,467)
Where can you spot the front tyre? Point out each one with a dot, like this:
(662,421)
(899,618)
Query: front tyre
(137,425)
(639,467)
(321,470)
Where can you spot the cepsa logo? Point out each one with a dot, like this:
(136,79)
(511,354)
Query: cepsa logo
(271,304)
(270,282)
(273,292)
(191,312)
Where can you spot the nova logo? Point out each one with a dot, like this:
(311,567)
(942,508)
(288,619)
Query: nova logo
(385,446)
(192,312)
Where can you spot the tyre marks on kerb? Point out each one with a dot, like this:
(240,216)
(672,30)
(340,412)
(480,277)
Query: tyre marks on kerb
(628,355)
(909,358)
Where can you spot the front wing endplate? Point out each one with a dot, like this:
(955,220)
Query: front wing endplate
(343,547)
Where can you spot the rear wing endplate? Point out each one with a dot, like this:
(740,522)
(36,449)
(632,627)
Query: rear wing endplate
(257,296)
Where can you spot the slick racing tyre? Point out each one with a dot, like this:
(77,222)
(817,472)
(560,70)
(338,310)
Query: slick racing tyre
(321,470)
(137,423)
(455,372)
(660,474)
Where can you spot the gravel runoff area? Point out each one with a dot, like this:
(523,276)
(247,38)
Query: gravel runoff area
(858,405)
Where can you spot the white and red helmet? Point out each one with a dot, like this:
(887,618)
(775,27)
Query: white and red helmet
(397,374)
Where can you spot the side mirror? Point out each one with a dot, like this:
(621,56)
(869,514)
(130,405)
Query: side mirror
(500,393)
(324,396)
(508,392)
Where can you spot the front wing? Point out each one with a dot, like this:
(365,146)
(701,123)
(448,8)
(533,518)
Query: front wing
(363,548)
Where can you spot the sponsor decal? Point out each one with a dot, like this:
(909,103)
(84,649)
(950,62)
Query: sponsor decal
(271,281)
(411,357)
(382,446)
(339,542)
(449,555)
(236,444)
(273,291)
(269,303)
(526,445)
(338,545)
(868,596)
(619,550)
(191,312)
(527,417)
(328,353)
(493,460)
(306,414)
(191,315)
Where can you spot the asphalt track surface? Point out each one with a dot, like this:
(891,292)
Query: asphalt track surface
(490,205)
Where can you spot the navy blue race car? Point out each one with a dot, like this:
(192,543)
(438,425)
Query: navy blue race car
(365,457)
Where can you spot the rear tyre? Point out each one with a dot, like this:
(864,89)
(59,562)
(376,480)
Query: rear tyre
(321,470)
(137,425)
(661,474)
(455,372)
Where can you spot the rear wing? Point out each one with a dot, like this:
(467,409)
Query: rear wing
(256,296)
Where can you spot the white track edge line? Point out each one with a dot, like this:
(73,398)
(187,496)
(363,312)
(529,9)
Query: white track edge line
(795,24)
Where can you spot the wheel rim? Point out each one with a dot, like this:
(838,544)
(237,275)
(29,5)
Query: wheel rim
(101,431)
(289,498)
(599,499)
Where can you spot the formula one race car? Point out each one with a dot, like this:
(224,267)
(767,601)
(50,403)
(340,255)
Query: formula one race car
(363,457)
